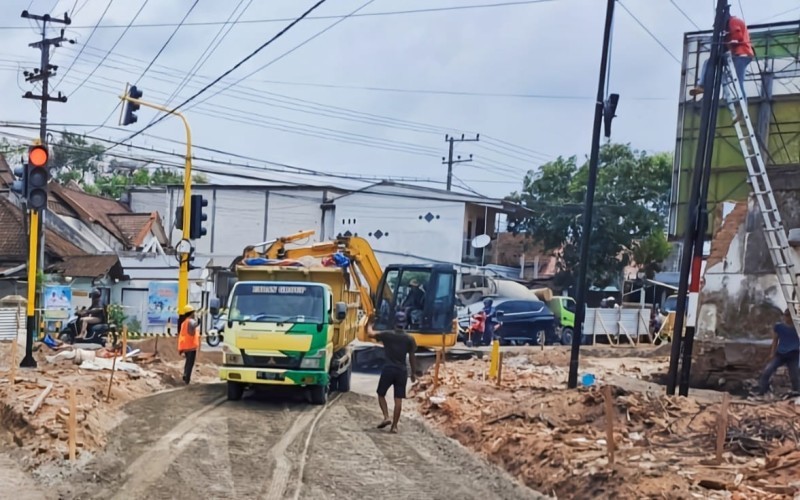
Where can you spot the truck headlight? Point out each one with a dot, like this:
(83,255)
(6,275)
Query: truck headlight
(314,361)
(232,359)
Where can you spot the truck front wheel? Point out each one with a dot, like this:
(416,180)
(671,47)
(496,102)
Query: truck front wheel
(235,391)
(343,380)
(319,394)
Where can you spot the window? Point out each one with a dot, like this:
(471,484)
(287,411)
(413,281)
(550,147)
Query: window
(272,303)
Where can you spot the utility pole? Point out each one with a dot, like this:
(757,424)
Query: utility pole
(601,108)
(449,161)
(696,217)
(41,74)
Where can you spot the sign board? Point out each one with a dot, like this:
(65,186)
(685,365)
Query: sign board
(57,302)
(162,303)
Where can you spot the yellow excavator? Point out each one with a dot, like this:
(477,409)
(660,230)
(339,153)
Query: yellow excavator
(426,292)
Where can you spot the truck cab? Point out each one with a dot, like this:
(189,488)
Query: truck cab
(288,333)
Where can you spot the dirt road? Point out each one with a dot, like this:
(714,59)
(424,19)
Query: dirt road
(191,443)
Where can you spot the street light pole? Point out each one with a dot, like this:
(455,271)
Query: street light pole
(586,231)
(184,247)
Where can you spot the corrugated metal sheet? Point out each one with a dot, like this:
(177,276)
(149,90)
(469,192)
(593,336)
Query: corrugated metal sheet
(9,325)
(615,322)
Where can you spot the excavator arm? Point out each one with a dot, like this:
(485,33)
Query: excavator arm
(358,250)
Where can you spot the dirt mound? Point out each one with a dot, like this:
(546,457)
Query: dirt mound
(554,439)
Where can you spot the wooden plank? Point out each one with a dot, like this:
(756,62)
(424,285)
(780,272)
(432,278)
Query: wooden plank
(609,422)
(722,426)
(73,423)
(39,400)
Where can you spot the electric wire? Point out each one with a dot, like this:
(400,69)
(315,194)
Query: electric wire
(229,71)
(327,17)
(109,51)
(91,34)
(647,30)
(683,12)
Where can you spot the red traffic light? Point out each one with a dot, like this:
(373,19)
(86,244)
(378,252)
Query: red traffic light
(38,156)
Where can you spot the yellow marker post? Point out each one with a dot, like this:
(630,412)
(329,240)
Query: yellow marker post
(495,358)
(30,322)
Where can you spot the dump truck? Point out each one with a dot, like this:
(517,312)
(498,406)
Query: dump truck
(291,323)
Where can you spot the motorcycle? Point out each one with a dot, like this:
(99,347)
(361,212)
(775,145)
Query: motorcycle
(96,334)
(215,336)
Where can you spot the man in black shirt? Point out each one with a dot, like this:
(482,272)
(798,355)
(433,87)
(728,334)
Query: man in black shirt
(397,344)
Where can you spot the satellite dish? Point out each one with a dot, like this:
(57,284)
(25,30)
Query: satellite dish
(481,241)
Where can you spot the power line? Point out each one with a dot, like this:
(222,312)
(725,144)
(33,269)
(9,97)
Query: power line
(654,37)
(105,56)
(231,70)
(207,53)
(328,17)
(296,47)
(465,93)
(91,34)
(684,14)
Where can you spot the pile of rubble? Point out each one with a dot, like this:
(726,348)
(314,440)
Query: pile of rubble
(555,440)
(35,404)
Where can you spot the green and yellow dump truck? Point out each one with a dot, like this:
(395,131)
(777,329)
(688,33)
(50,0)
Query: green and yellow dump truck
(292,326)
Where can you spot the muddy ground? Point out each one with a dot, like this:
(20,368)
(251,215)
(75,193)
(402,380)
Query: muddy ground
(191,443)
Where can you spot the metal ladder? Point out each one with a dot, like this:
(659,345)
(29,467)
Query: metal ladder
(775,233)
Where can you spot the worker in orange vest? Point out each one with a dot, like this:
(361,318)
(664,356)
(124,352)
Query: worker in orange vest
(738,43)
(188,340)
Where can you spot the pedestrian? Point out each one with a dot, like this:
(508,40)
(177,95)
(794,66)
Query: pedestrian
(397,344)
(785,350)
(738,42)
(188,340)
(490,322)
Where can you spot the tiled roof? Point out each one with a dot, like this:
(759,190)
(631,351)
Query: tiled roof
(89,266)
(6,176)
(89,208)
(135,227)
(14,239)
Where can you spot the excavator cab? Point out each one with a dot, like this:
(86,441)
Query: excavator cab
(427,294)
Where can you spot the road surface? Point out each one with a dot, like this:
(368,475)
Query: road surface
(192,443)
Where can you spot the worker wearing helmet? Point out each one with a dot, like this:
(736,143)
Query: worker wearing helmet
(188,340)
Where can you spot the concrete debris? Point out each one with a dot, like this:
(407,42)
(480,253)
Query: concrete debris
(555,439)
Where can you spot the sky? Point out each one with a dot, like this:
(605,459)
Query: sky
(366,95)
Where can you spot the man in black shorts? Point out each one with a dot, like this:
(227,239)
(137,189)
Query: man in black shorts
(397,344)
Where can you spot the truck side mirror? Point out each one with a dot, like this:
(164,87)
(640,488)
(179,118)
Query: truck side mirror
(341,311)
(213,306)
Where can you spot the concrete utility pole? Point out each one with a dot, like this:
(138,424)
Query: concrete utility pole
(449,161)
(41,74)
(697,216)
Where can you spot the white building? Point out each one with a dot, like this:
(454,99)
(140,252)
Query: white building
(403,223)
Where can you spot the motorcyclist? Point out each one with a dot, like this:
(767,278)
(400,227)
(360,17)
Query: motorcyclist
(95,315)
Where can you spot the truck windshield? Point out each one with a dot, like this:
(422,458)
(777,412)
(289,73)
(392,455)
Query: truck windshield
(272,303)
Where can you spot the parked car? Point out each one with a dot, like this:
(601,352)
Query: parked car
(523,323)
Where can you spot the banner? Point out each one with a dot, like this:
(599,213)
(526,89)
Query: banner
(162,303)
(57,302)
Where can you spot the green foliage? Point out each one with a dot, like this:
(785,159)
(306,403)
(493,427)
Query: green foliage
(78,160)
(650,252)
(134,325)
(116,314)
(631,203)
(9,150)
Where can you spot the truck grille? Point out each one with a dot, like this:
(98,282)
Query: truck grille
(271,361)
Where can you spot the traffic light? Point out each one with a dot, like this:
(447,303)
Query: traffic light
(36,177)
(19,185)
(197,217)
(129,114)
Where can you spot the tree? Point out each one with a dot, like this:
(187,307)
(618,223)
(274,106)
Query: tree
(631,203)
(78,160)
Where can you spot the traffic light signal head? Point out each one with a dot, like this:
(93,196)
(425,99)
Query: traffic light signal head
(197,217)
(19,184)
(36,177)
(129,113)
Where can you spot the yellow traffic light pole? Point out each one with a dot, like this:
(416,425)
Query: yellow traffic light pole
(183,273)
